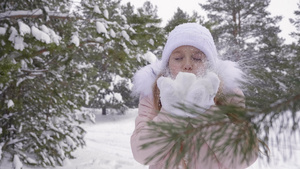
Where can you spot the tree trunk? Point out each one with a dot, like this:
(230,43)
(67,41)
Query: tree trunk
(104,110)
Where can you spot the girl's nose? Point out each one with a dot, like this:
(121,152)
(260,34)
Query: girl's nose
(188,65)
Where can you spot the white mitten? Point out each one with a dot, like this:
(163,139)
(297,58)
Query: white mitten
(203,91)
(168,95)
(173,91)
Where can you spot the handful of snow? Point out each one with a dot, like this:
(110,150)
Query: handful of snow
(188,89)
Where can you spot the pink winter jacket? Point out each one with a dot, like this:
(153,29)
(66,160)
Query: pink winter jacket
(147,113)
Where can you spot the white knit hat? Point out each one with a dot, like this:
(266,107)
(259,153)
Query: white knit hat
(191,34)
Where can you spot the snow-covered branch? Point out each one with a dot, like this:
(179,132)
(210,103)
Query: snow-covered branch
(34,14)
(34,71)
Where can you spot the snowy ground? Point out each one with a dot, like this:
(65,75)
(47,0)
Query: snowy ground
(108,147)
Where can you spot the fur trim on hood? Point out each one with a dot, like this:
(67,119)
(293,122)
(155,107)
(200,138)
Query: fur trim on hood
(229,73)
(144,79)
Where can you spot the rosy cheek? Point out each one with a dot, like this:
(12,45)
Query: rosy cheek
(201,70)
(174,74)
(173,71)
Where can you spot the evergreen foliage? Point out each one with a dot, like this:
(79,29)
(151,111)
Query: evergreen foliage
(57,57)
(225,136)
(40,83)
(149,36)
(181,17)
(146,23)
(242,25)
(245,32)
(108,46)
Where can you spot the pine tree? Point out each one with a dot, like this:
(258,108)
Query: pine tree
(181,17)
(40,85)
(146,23)
(148,35)
(239,27)
(245,32)
(107,45)
(296,23)
(293,68)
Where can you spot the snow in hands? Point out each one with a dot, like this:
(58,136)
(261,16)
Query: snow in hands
(188,89)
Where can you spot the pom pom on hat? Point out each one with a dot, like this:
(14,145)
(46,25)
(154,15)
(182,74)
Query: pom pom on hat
(191,34)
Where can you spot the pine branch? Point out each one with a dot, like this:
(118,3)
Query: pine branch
(186,136)
(281,105)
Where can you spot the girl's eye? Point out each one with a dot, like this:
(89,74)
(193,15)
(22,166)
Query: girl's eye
(197,59)
(178,58)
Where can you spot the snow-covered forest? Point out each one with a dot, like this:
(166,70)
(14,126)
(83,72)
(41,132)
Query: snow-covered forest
(60,58)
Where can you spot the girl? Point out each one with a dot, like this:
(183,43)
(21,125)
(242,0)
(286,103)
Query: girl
(190,73)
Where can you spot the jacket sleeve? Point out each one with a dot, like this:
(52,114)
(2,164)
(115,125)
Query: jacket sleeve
(228,158)
(146,113)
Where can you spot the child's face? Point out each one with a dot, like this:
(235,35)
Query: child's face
(187,59)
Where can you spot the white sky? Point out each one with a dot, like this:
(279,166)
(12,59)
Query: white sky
(166,9)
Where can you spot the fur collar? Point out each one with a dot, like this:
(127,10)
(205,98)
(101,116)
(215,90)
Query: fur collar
(144,79)
(230,75)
